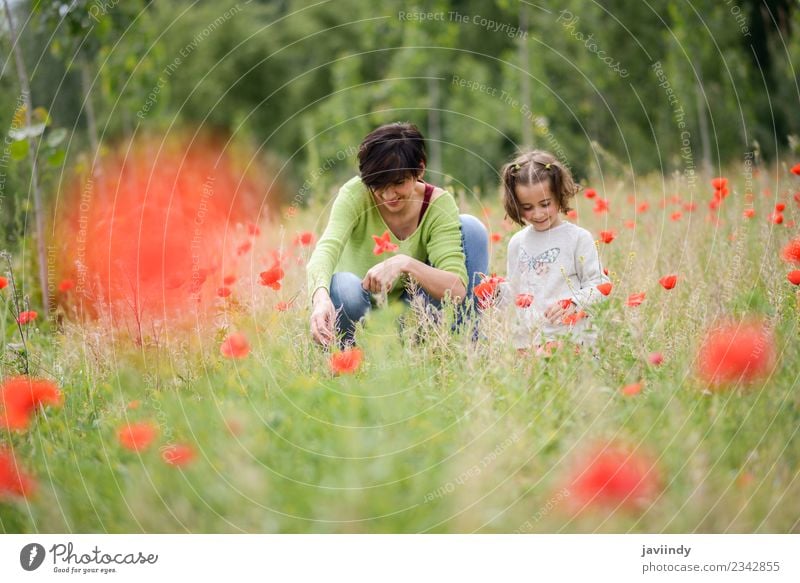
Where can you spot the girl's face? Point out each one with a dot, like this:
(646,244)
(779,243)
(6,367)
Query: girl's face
(394,197)
(538,206)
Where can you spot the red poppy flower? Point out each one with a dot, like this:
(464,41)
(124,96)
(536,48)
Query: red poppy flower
(607,236)
(600,206)
(13,480)
(714,204)
(383,244)
(604,288)
(796,169)
(655,358)
(3,282)
(524,300)
(229,280)
(632,389)
(590,193)
(565,303)
(486,290)
(66,285)
(304,239)
(643,207)
(690,207)
(776,218)
(719,183)
(244,248)
(780,207)
(347,361)
(178,454)
(629,224)
(27,317)
(668,281)
(794,276)
(283,306)
(496,237)
(272,277)
(573,214)
(676,216)
(614,476)
(224,292)
(136,436)
(749,213)
(605,271)
(20,397)
(791,252)
(635,300)
(736,351)
(133,405)
(573,318)
(235,346)
(253,230)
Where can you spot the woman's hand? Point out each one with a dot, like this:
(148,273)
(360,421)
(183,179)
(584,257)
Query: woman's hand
(381,277)
(556,313)
(323,317)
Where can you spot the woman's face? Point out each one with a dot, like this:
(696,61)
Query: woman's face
(394,197)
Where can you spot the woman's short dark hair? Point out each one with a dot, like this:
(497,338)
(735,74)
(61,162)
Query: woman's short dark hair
(391,154)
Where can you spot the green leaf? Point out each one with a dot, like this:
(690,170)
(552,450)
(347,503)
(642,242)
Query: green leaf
(19,150)
(55,137)
(57,158)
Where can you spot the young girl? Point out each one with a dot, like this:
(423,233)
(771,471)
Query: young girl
(553,265)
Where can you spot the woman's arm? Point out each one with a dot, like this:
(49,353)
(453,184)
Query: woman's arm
(436,282)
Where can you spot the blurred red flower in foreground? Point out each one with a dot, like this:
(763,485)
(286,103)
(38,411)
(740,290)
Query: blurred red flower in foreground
(383,244)
(136,436)
(655,358)
(749,213)
(600,206)
(605,288)
(791,252)
(632,389)
(224,292)
(347,361)
(614,476)
(27,317)
(524,300)
(272,277)
(796,169)
(13,481)
(21,396)
(794,276)
(304,239)
(66,285)
(3,282)
(734,352)
(590,193)
(178,454)
(668,281)
(235,346)
(635,300)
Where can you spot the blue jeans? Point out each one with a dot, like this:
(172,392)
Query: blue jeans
(352,302)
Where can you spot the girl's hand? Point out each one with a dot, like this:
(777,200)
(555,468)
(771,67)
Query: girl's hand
(381,277)
(323,318)
(555,314)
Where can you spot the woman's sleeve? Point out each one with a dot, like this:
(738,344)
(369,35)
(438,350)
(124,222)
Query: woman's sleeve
(589,270)
(344,216)
(444,239)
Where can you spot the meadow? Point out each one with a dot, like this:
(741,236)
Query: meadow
(433,432)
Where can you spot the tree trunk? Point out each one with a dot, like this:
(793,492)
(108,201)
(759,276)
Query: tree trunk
(434,129)
(525,79)
(32,144)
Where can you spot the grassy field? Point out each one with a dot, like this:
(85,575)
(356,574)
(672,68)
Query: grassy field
(434,432)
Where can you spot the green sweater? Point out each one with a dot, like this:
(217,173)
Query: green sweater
(347,242)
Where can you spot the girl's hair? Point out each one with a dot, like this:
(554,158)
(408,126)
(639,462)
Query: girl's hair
(531,168)
(390,154)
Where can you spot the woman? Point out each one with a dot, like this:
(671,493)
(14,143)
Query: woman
(422,232)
